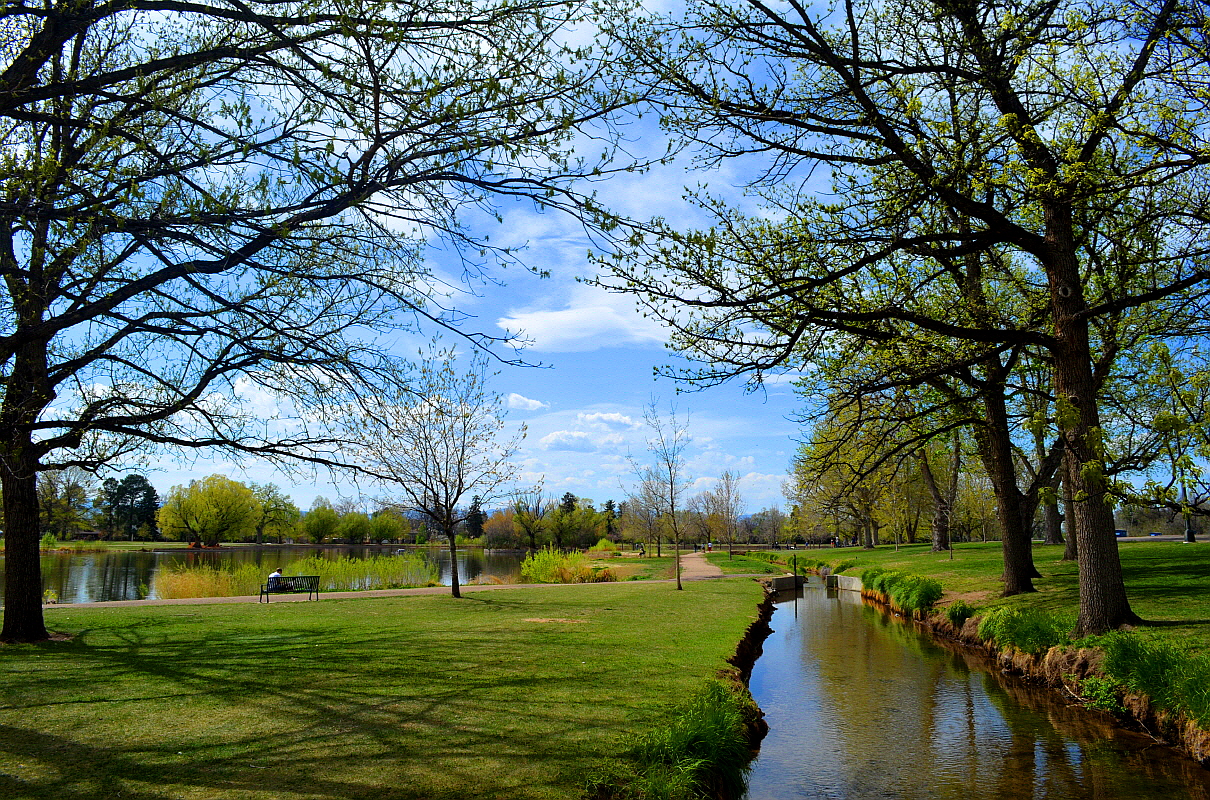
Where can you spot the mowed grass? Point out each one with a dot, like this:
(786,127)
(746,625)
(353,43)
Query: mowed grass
(1168,583)
(509,693)
(743,565)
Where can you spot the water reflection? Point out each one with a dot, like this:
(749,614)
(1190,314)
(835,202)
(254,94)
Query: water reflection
(862,706)
(130,575)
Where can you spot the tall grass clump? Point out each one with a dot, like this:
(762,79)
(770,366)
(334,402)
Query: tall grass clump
(181,580)
(843,565)
(360,574)
(1027,629)
(958,612)
(335,575)
(703,752)
(909,594)
(603,545)
(550,566)
(1175,679)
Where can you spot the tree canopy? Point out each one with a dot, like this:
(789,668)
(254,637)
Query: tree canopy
(214,207)
(965,177)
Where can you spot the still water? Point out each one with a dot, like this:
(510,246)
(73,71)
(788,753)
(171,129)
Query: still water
(118,574)
(860,705)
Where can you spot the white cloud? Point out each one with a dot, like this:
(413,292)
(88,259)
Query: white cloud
(589,320)
(522,403)
(576,441)
(602,419)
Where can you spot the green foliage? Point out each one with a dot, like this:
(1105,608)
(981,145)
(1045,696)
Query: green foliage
(1027,629)
(843,565)
(1173,677)
(958,612)
(908,593)
(703,752)
(551,566)
(603,545)
(212,510)
(1101,694)
(48,542)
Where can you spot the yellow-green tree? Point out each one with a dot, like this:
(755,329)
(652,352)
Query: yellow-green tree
(212,510)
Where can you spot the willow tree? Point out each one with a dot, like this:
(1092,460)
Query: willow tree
(931,162)
(211,212)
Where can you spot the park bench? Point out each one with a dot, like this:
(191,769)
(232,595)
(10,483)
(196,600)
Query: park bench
(290,584)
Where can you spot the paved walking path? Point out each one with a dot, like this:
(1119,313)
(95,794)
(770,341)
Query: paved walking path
(694,566)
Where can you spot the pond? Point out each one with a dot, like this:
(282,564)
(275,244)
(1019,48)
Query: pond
(861,705)
(119,574)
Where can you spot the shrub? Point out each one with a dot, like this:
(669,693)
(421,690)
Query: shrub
(550,566)
(603,545)
(1102,694)
(1173,678)
(958,612)
(1026,629)
(48,542)
(869,574)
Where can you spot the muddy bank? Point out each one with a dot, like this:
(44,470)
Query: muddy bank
(749,648)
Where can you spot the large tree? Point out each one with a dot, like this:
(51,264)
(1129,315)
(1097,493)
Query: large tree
(440,443)
(1048,156)
(128,506)
(213,510)
(209,205)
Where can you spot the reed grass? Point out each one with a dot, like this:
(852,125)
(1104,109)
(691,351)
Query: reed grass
(335,575)
(1030,630)
(1172,676)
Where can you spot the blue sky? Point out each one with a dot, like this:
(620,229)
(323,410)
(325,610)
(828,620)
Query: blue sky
(584,405)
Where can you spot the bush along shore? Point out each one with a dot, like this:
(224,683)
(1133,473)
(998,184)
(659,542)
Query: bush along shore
(1148,677)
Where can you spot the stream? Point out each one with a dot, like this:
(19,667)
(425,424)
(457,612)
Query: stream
(862,705)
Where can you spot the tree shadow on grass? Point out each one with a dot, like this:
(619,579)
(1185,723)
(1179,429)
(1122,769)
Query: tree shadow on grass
(297,712)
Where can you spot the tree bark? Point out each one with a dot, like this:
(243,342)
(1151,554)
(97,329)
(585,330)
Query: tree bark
(23,620)
(1070,549)
(996,451)
(453,537)
(941,507)
(1103,602)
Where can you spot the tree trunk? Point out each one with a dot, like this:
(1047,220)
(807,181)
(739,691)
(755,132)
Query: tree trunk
(996,450)
(454,590)
(941,507)
(22,563)
(1071,550)
(1103,602)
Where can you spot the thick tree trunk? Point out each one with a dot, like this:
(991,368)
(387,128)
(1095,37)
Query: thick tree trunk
(1103,602)
(454,590)
(996,450)
(22,563)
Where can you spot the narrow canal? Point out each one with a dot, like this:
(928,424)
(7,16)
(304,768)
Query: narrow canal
(860,705)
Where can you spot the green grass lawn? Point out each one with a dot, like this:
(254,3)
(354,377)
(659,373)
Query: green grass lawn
(742,565)
(512,693)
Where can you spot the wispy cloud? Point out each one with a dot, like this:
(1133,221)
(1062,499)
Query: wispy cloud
(522,403)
